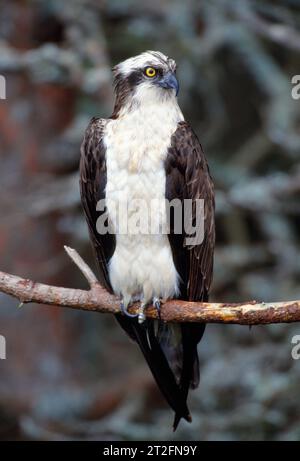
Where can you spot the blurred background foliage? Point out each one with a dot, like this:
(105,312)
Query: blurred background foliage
(72,375)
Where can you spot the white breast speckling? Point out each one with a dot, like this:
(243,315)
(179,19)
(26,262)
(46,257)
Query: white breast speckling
(136,147)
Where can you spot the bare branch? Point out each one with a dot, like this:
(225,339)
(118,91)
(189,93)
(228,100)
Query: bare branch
(100,300)
(82,266)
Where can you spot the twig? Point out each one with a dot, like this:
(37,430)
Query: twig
(100,300)
(82,266)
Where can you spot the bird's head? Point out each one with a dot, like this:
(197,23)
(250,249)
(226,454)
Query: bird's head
(150,76)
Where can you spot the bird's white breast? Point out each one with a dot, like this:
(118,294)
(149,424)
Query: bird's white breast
(136,147)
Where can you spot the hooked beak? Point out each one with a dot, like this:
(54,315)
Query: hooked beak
(169,81)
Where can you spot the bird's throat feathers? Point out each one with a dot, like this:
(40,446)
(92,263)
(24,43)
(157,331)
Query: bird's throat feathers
(141,133)
(145,99)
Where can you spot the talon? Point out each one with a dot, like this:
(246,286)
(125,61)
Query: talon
(157,305)
(125,311)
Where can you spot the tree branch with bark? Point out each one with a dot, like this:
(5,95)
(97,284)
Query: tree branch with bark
(98,299)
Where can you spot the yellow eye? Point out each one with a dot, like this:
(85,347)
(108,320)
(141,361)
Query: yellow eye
(150,72)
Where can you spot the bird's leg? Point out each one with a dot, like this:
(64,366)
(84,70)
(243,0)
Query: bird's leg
(123,307)
(141,313)
(156,303)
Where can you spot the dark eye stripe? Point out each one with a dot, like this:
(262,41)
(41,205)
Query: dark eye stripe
(134,78)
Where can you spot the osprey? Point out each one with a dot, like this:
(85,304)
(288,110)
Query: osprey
(147,151)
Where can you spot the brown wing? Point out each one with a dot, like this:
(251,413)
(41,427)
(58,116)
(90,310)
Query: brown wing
(188,178)
(92,189)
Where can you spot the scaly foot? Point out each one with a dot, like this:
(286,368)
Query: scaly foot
(157,304)
(141,314)
(125,311)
